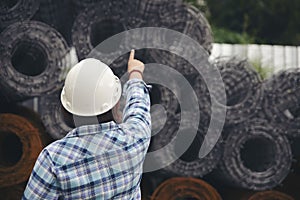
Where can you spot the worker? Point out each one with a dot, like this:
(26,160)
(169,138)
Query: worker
(103,160)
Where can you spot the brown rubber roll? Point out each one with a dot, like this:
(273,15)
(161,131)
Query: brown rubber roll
(149,182)
(270,195)
(33,117)
(20,145)
(185,188)
(14,192)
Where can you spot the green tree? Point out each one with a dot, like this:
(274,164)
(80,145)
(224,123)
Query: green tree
(268,21)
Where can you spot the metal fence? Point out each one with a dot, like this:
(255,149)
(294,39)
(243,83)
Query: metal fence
(271,57)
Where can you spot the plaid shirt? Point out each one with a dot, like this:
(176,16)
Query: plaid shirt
(102,161)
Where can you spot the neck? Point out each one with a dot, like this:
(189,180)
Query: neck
(82,121)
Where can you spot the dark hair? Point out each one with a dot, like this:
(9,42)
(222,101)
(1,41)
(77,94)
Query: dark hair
(69,118)
(106,117)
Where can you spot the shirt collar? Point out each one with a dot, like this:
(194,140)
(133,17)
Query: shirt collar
(92,129)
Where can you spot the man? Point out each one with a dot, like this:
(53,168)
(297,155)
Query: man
(97,161)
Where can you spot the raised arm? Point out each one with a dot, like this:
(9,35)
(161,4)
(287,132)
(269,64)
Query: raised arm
(136,113)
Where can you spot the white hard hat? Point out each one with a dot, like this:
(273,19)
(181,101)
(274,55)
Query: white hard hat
(90,89)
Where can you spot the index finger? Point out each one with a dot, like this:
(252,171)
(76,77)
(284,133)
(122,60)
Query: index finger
(131,56)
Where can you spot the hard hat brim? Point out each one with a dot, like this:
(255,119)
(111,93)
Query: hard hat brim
(86,114)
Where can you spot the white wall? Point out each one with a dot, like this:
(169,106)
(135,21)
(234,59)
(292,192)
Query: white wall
(272,57)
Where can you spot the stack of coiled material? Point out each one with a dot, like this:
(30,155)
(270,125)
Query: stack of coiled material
(35,60)
(244,93)
(282,100)
(256,156)
(12,11)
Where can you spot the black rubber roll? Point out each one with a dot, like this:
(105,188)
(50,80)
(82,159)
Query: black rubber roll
(165,97)
(189,163)
(86,3)
(20,145)
(12,11)
(256,156)
(189,21)
(35,60)
(244,93)
(57,121)
(58,14)
(124,8)
(204,100)
(152,9)
(118,4)
(282,100)
(94,25)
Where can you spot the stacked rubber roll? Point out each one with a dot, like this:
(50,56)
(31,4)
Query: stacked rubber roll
(118,4)
(189,21)
(58,14)
(170,125)
(270,195)
(165,97)
(228,193)
(12,11)
(108,8)
(95,24)
(19,148)
(153,9)
(204,100)
(186,161)
(164,105)
(256,156)
(282,100)
(243,87)
(185,188)
(34,60)
(86,3)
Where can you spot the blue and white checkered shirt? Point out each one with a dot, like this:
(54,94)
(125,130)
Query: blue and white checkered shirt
(102,161)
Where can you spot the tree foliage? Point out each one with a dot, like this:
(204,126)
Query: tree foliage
(268,21)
